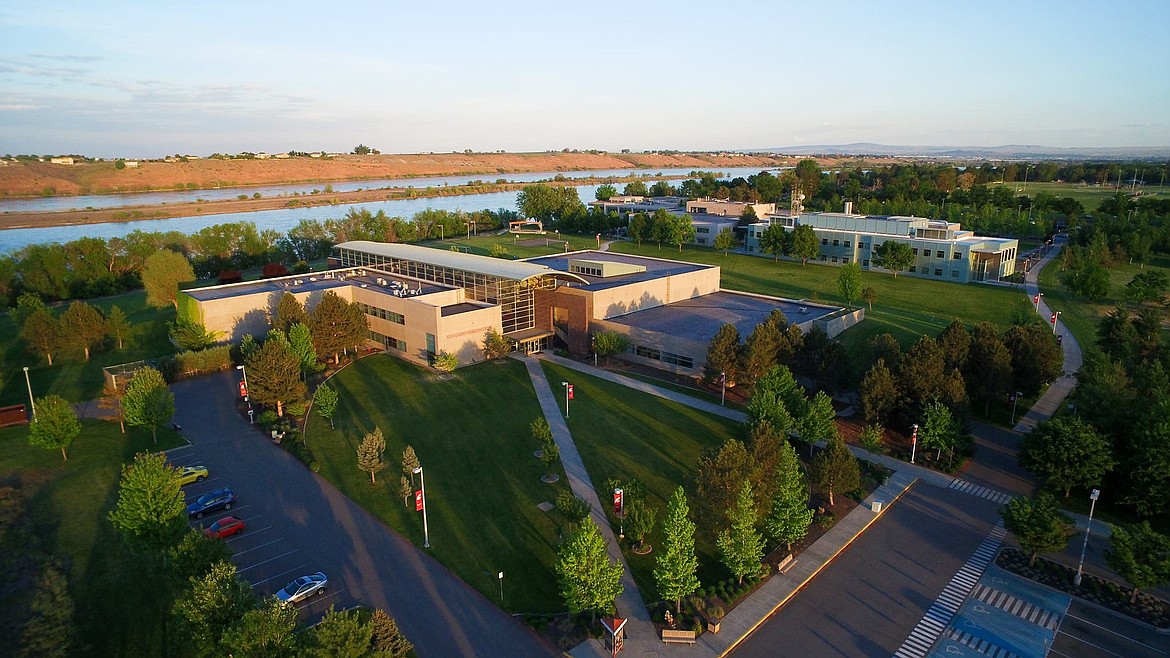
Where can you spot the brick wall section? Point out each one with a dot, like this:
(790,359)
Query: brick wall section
(579,314)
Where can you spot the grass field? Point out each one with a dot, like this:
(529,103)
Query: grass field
(67,505)
(470,431)
(1089,196)
(71,376)
(623,434)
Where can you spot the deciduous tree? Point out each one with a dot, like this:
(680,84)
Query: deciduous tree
(939,429)
(805,244)
(1140,555)
(869,296)
(325,403)
(300,341)
(49,631)
(336,325)
(150,512)
(265,631)
(819,420)
(639,520)
(835,469)
(741,545)
(369,454)
(54,425)
(849,283)
(41,332)
(605,192)
(725,241)
(789,517)
(148,402)
(893,255)
(495,346)
(117,326)
(609,343)
(82,325)
(774,240)
(777,399)
(1037,524)
(587,579)
(1066,452)
(1035,355)
(274,373)
(162,274)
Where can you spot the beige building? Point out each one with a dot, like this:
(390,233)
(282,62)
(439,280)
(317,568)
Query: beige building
(709,206)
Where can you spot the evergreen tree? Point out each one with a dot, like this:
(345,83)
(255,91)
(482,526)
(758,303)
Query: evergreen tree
(289,311)
(921,374)
(955,342)
(369,454)
(406,489)
(41,333)
(717,479)
(989,366)
(300,341)
(760,350)
(819,421)
(325,403)
(54,425)
(741,545)
(148,402)
(117,326)
(835,470)
(339,635)
(676,573)
(336,325)
(879,393)
(409,463)
(274,373)
(49,631)
(1036,357)
(82,325)
(790,515)
(1037,524)
(385,638)
(588,580)
(265,631)
(723,356)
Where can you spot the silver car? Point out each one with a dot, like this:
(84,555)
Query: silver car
(302,588)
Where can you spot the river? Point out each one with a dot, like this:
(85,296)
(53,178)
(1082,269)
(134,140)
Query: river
(286,218)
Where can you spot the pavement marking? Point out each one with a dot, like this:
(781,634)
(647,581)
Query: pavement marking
(253,566)
(1095,646)
(282,574)
(249,550)
(1049,619)
(980,491)
(1120,635)
(981,645)
(315,598)
(940,613)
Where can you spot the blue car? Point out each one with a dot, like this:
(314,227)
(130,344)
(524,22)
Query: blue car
(219,499)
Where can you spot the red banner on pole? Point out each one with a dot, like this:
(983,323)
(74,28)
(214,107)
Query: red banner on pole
(243,390)
(570,391)
(1036,299)
(418,501)
(617,502)
(1053,318)
(914,436)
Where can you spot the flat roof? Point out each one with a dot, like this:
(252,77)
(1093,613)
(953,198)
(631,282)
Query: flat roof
(656,268)
(517,270)
(317,281)
(700,318)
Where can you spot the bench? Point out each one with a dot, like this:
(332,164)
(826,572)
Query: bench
(681,637)
(786,564)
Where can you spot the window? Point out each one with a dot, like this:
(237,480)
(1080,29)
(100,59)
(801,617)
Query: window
(938,272)
(913,268)
(914,250)
(939,254)
(836,243)
(824,241)
(846,243)
(665,357)
(957,256)
(834,259)
(955,274)
(863,245)
(844,259)
(702,229)
(824,258)
(865,263)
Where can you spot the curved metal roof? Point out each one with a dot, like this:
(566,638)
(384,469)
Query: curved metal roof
(517,270)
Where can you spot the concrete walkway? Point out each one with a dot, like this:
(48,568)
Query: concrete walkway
(1049,403)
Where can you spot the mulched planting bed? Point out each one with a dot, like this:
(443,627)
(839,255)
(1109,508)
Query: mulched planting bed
(1146,608)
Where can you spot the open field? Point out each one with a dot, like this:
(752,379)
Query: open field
(1090,196)
(470,431)
(118,610)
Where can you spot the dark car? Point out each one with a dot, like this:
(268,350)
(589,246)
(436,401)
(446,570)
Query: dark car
(219,499)
(225,527)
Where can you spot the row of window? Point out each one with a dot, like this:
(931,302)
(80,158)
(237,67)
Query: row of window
(388,342)
(958,255)
(937,271)
(665,357)
(376,312)
(838,243)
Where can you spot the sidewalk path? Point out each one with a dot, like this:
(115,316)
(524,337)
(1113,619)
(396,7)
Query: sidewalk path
(1054,396)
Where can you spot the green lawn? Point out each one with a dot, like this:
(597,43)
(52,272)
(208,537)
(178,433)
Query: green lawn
(623,434)
(71,376)
(906,307)
(1090,196)
(67,505)
(470,431)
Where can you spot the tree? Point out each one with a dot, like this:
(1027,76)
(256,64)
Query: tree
(939,430)
(49,631)
(274,373)
(819,420)
(369,454)
(805,244)
(542,434)
(835,469)
(849,283)
(777,399)
(339,635)
(385,638)
(265,631)
(82,325)
(41,332)
(605,192)
(639,520)
(27,304)
(112,399)
(150,512)
(361,149)
(148,402)
(789,515)
(879,393)
(609,343)
(955,343)
(893,255)
(722,362)
(1066,452)
(211,607)
(1140,555)
(677,230)
(741,545)
(676,572)
(635,188)
(1036,356)
(808,173)
(193,556)
(1037,524)
(54,425)
(989,366)
(406,489)
(495,346)
(587,578)
(725,241)
(869,296)
(445,362)
(336,325)
(325,403)
(1147,286)
(921,373)
(409,462)
(1090,281)
(117,326)
(289,311)
(191,335)
(162,273)
(774,240)
(639,227)
(760,350)
(300,341)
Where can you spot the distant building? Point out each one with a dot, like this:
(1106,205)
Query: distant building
(709,226)
(61,161)
(942,250)
(131,164)
(709,206)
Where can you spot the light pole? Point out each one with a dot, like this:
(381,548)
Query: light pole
(913,442)
(1055,317)
(501,587)
(568,396)
(1015,399)
(247,392)
(722,388)
(31,405)
(422,488)
(441,236)
(1036,300)
(1080,565)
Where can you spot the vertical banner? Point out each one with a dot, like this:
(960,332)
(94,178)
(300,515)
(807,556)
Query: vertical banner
(570,394)
(418,501)
(617,502)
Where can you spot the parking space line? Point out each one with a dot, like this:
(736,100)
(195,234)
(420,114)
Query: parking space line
(1109,630)
(282,574)
(249,550)
(1095,646)
(315,599)
(250,532)
(253,566)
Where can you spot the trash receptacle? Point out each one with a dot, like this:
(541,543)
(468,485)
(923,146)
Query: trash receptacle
(876,506)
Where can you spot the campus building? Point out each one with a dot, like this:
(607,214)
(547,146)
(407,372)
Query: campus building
(422,301)
(942,250)
(725,208)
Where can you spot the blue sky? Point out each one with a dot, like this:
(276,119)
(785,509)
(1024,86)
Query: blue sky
(145,79)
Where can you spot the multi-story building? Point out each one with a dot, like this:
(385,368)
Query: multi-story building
(725,208)
(942,250)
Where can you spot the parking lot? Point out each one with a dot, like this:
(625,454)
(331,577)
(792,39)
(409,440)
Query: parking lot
(297,524)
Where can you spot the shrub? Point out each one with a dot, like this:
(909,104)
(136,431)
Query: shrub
(195,362)
(300,450)
(301,267)
(229,276)
(825,520)
(297,408)
(271,270)
(192,336)
(267,419)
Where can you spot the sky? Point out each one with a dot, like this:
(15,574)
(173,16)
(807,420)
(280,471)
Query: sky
(146,79)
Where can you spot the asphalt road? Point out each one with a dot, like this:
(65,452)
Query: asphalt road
(298,523)
(1089,632)
(868,600)
(994,465)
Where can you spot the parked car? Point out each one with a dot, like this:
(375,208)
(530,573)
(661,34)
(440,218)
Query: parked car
(225,527)
(189,474)
(219,499)
(302,588)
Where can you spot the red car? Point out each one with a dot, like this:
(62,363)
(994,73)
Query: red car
(225,527)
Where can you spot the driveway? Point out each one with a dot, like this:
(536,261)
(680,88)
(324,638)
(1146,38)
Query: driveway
(299,523)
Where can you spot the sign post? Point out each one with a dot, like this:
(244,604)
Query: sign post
(913,442)
(619,510)
(568,396)
(420,503)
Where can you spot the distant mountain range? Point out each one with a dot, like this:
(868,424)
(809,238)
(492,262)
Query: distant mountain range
(1008,152)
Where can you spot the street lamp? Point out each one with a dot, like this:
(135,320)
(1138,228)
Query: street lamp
(1015,399)
(722,388)
(422,488)
(31,405)
(1092,505)
(1036,298)
(568,396)
(247,391)
(913,442)
(441,236)
(1055,318)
